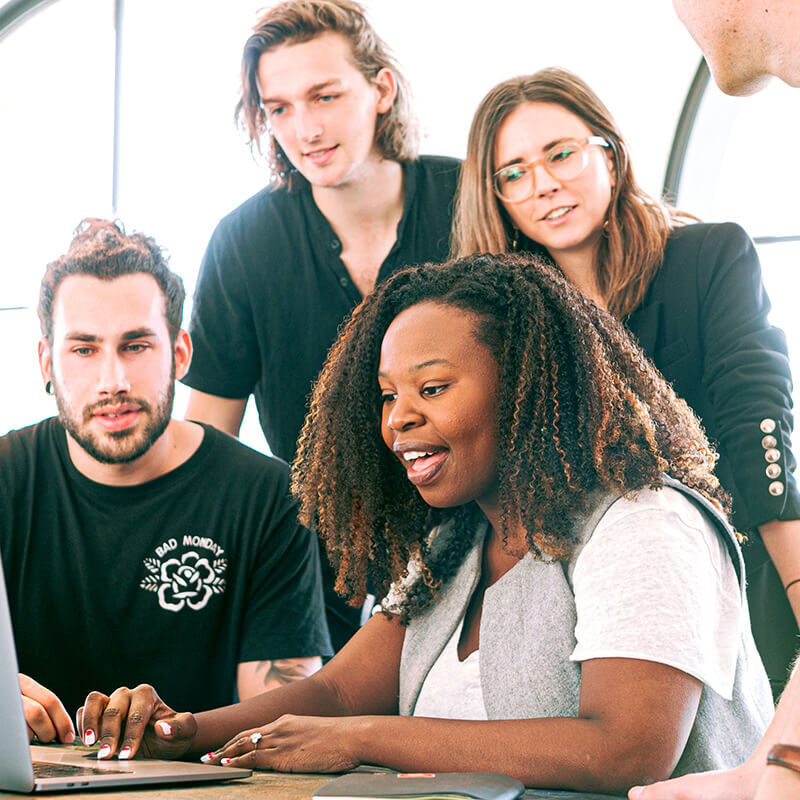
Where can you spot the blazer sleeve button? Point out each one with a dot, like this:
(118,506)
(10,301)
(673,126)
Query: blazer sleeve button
(776,488)
(769,441)
(772,455)
(767,425)
(773,471)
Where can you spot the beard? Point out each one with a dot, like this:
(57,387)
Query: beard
(117,447)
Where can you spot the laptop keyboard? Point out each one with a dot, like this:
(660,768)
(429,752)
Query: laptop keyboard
(42,769)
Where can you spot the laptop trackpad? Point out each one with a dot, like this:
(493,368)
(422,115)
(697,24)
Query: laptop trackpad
(42,769)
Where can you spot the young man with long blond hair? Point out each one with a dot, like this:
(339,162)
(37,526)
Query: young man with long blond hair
(349,202)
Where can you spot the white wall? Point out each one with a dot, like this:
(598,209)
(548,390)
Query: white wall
(634,53)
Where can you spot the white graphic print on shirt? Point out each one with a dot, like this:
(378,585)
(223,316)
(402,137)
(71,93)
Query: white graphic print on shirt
(188,578)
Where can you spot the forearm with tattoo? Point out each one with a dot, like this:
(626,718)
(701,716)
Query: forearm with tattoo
(256,677)
(281,671)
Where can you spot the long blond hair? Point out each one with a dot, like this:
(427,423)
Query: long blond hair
(632,247)
(298,21)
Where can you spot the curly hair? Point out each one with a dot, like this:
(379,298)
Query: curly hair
(580,408)
(102,249)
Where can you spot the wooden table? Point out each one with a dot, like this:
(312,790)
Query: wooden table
(261,785)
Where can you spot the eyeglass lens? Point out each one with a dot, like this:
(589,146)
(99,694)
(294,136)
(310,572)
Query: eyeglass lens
(563,162)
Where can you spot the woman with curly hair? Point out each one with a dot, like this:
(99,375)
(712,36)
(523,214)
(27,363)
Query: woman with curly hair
(563,594)
(547,170)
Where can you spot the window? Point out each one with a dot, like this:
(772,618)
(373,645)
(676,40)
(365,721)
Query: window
(180,162)
(55,160)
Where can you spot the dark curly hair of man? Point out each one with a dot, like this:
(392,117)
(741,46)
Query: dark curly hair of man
(580,410)
(102,249)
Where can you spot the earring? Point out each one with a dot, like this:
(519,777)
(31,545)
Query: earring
(48,387)
(515,240)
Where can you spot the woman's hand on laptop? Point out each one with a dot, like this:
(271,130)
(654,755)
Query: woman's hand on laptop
(133,721)
(45,714)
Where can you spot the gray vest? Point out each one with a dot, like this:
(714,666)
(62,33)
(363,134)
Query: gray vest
(527,635)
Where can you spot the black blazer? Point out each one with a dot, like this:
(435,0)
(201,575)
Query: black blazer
(704,324)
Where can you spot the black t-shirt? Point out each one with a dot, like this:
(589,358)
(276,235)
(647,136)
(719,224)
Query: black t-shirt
(172,582)
(273,291)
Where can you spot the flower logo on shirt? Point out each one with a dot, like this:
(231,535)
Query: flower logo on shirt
(188,580)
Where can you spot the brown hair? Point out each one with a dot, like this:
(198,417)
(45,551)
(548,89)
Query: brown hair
(101,248)
(632,249)
(579,408)
(297,21)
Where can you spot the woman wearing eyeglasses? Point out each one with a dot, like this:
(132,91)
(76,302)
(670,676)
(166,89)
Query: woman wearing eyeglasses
(547,170)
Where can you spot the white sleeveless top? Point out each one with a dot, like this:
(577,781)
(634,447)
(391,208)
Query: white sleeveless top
(452,688)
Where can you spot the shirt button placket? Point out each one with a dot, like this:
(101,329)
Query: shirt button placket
(336,246)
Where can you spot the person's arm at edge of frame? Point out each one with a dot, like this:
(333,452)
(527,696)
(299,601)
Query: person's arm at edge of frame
(782,541)
(753,779)
(224,413)
(778,782)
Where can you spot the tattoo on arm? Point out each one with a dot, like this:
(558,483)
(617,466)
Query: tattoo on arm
(281,671)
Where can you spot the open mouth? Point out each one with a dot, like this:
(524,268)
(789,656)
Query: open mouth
(558,213)
(422,466)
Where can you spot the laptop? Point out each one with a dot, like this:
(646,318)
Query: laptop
(37,768)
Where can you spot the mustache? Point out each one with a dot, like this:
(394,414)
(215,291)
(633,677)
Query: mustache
(91,410)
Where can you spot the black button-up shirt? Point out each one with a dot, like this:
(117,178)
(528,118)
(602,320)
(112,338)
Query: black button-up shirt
(273,291)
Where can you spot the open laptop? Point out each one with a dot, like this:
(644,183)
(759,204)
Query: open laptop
(26,768)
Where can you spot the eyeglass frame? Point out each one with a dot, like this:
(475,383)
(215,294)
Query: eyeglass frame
(599,141)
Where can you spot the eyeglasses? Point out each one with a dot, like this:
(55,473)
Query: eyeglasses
(516,183)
